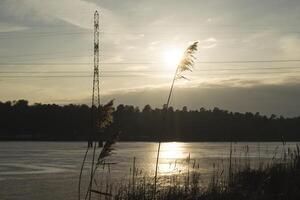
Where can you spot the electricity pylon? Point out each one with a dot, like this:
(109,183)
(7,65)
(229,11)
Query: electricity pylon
(95,92)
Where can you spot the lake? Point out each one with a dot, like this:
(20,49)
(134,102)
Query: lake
(50,170)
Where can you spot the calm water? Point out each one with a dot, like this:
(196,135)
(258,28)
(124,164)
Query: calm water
(49,170)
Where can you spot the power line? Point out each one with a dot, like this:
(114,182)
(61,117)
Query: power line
(39,54)
(51,34)
(251,30)
(149,71)
(66,76)
(153,63)
(248,61)
(42,35)
(127,76)
(181,25)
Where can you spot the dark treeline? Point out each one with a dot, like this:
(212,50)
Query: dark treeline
(20,121)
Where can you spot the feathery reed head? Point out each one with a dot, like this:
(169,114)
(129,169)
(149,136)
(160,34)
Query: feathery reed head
(106,117)
(187,61)
(107,149)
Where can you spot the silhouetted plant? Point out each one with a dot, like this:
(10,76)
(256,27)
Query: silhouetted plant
(277,180)
(104,118)
(106,151)
(186,64)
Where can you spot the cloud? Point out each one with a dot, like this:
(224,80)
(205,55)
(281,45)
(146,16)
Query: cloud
(75,12)
(290,46)
(209,43)
(249,96)
(137,68)
(6,27)
(233,99)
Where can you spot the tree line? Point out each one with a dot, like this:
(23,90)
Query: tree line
(21,121)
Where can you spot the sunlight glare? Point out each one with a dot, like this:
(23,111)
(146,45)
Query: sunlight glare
(171,155)
(172,57)
(172,150)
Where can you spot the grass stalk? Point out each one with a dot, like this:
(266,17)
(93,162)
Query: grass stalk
(133,175)
(92,172)
(188,171)
(230,163)
(186,63)
(80,174)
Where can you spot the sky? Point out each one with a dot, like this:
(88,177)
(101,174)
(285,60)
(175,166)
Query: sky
(247,58)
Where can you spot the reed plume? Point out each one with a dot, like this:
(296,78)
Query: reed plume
(106,151)
(106,115)
(104,118)
(187,61)
(186,64)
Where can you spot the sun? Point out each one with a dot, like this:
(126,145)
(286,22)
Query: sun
(172,57)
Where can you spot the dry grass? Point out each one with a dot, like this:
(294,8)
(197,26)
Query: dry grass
(278,179)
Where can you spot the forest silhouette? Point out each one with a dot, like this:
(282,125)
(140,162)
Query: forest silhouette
(21,121)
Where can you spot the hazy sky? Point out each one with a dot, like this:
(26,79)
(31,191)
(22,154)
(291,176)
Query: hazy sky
(137,41)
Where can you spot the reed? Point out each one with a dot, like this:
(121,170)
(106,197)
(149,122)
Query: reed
(106,151)
(277,180)
(104,118)
(186,64)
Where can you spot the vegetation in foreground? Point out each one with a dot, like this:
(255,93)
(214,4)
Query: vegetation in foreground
(279,179)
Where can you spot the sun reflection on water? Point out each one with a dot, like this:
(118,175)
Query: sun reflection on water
(171,156)
(172,150)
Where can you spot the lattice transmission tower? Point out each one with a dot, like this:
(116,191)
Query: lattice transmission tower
(96,90)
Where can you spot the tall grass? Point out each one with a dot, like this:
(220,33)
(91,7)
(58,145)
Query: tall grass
(186,64)
(103,118)
(279,179)
(101,162)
